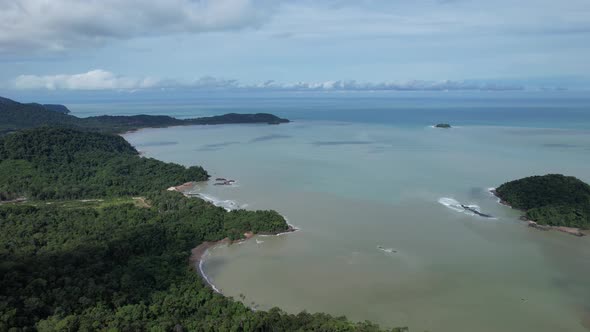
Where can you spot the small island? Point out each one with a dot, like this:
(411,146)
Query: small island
(443,125)
(551,201)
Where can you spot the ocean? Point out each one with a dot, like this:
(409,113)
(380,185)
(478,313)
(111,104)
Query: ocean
(374,189)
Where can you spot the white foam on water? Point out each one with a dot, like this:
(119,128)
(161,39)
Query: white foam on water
(209,282)
(295,228)
(453,204)
(227,204)
(386,250)
(194,192)
(259,241)
(491,191)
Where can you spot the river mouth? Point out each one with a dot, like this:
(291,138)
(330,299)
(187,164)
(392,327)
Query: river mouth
(375,243)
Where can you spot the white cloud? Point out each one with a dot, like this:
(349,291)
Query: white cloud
(104,80)
(27,25)
(62,24)
(92,80)
(385,86)
(386,19)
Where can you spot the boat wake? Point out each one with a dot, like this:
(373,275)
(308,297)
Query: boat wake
(471,210)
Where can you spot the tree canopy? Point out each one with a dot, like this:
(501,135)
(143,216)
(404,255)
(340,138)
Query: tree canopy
(15,115)
(61,163)
(112,264)
(551,199)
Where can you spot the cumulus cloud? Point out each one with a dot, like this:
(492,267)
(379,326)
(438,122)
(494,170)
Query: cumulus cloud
(92,80)
(62,24)
(104,80)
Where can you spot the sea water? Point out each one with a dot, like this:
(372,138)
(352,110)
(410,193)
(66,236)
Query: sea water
(376,193)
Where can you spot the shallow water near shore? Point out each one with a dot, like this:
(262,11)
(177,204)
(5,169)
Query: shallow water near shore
(357,190)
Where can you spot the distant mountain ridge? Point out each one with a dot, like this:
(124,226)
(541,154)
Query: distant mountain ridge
(15,116)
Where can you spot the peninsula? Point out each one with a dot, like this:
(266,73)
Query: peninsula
(551,201)
(91,240)
(15,116)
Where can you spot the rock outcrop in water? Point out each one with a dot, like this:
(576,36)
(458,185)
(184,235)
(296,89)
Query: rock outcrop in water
(459,207)
(443,125)
(473,210)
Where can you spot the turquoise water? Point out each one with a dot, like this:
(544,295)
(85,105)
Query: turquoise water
(375,242)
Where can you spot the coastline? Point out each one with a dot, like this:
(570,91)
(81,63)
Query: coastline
(198,255)
(135,130)
(200,252)
(533,224)
(183,187)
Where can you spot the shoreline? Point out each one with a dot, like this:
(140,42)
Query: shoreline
(200,252)
(533,224)
(183,187)
(198,255)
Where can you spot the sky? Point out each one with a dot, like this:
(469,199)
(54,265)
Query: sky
(130,45)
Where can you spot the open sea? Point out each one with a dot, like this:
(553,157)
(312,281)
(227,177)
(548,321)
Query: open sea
(374,190)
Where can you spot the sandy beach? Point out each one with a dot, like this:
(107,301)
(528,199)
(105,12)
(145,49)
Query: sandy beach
(199,253)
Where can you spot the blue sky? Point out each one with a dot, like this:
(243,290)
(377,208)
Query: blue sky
(298,44)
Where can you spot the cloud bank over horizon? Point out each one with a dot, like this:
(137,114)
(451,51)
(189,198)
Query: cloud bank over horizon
(306,41)
(99,79)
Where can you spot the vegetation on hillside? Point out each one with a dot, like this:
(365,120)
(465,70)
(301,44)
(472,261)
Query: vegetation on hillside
(59,163)
(552,199)
(17,116)
(114,263)
(57,108)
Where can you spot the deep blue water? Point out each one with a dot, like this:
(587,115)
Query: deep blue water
(546,109)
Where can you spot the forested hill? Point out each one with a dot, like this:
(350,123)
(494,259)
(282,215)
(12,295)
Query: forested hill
(551,199)
(57,108)
(15,115)
(81,254)
(61,163)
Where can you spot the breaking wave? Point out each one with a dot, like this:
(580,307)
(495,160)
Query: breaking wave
(387,250)
(492,192)
(227,204)
(468,209)
(207,279)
